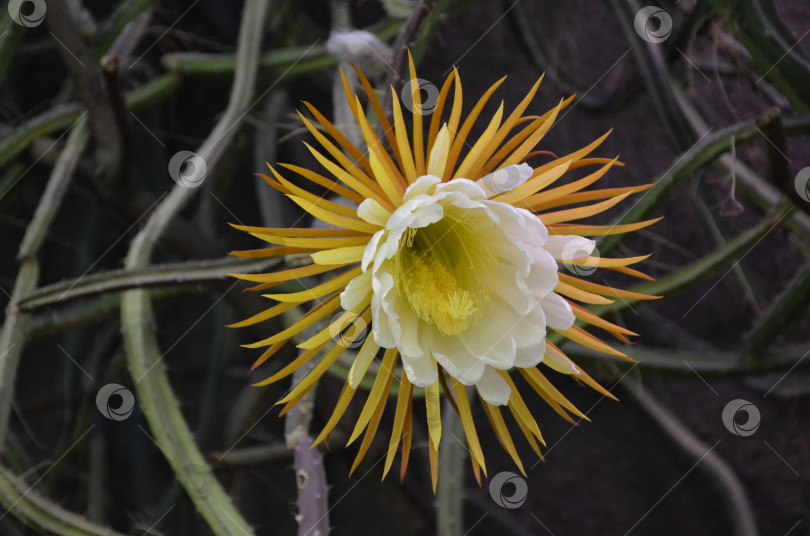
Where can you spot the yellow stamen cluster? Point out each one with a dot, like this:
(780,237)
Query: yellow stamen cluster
(436,295)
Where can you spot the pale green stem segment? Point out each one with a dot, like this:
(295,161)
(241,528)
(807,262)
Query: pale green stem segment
(450,492)
(42,514)
(786,308)
(699,155)
(64,115)
(158,402)
(16,495)
(707,459)
(175,274)
(12,336)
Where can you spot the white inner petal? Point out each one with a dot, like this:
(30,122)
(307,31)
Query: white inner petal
(356,291)
(493,388)
(464,282)
(565,247)
(373,212)
(505,179)
(531,356)
(558,311)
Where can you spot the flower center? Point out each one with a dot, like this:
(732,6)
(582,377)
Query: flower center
(436,296)
(437,278)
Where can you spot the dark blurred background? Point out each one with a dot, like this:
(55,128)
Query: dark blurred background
(733,329)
